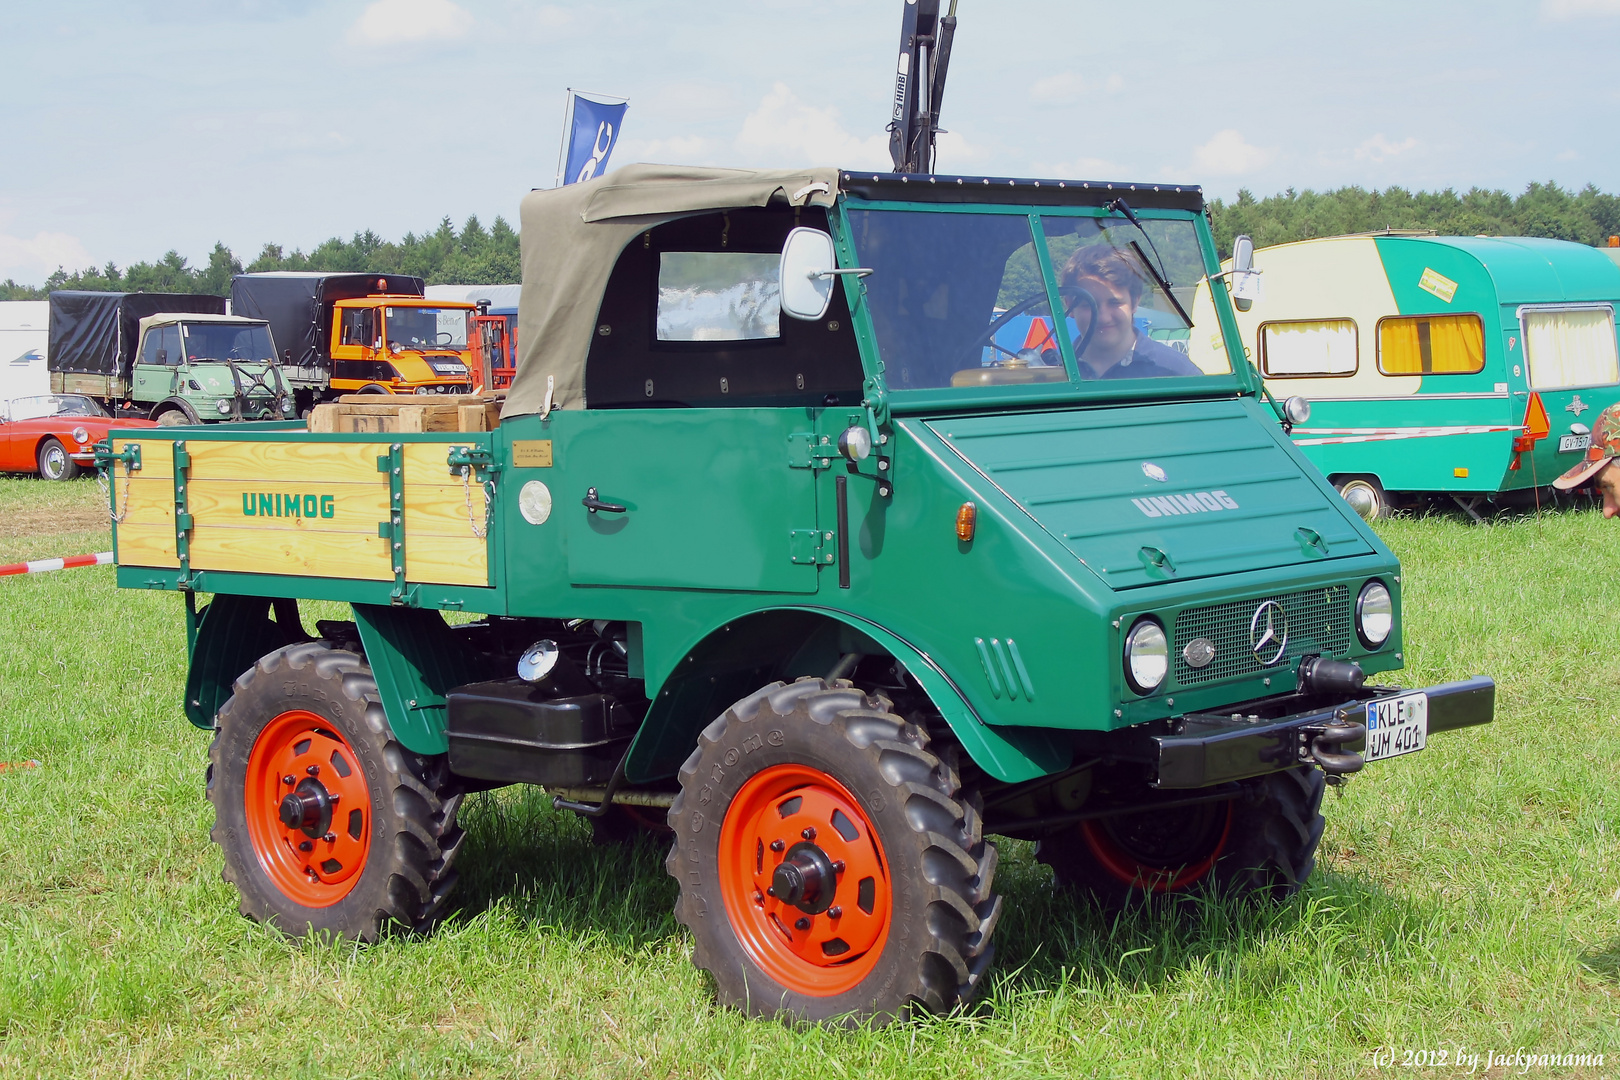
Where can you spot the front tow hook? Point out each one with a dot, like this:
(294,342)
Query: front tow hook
(1323,745)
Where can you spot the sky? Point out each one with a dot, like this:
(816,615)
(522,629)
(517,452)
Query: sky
(136,126)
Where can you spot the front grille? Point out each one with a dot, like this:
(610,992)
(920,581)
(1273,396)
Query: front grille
(1318,624)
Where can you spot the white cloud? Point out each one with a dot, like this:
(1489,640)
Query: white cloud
(1228,155)
(395,22)
(784,131)
(1575,9)
(952,153)
(31,259)
(1380,149)
(1064,88)
(1567,155)
(1114,84)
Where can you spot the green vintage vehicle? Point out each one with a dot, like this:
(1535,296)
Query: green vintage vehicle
(773,551)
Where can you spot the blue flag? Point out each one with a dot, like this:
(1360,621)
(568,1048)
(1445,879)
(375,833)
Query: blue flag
(591,138)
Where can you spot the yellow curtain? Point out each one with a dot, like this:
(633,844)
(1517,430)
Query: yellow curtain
(1456,345)
(1398,351)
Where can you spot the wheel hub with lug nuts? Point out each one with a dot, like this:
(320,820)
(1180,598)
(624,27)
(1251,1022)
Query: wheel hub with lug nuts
(805,881)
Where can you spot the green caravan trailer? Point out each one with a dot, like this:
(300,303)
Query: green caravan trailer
(1451,365)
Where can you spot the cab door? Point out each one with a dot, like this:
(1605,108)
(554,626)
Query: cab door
(689,498)
(156,365)
(356,340)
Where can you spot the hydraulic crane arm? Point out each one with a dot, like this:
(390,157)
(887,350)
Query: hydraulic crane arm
(919,85)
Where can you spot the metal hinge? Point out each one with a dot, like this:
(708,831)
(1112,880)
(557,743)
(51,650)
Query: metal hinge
(813,546)
(805,451)
(182,512)
(475,457)
(393,530)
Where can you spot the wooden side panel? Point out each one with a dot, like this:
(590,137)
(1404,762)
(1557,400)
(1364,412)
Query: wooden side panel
(256,461)
(145,502)
(305,509)
(291,551)
(440,543)
(146,545)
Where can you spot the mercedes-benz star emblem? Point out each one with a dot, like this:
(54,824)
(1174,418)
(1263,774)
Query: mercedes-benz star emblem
(1268,633)
(1153,472)
(1576,405)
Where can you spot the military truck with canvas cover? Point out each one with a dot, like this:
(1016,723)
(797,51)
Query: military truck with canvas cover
(360,333)
(775,549)
(173,358)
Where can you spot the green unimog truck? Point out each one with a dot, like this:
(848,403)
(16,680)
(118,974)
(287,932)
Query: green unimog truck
(776,540)
(170,357)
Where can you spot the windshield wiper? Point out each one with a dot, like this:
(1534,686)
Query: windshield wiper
(1159,278)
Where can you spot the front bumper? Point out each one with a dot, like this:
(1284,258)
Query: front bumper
(1208,748)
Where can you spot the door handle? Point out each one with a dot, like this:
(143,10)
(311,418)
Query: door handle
(593,504)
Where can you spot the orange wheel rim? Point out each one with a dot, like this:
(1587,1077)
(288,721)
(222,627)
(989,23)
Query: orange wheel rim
(830,940)
(308,809)
(1134,869)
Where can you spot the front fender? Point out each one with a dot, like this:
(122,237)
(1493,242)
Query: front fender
(735,659)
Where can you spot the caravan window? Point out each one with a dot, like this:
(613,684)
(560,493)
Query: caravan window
(1570,346)
(1308,347)
(1431,345)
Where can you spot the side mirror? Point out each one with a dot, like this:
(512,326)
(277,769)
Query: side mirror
(1245,282)
(806,273)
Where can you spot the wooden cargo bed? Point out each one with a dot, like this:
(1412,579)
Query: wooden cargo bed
(308,505)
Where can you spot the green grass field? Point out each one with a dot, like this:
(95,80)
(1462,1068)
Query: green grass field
(1466,896)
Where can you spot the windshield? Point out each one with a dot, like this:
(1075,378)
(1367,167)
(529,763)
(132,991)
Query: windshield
(427,328)
(30,408)
(959,300)
(227,341)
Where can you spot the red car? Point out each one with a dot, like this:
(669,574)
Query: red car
(54,434)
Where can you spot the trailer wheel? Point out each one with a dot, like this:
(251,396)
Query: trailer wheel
(326,823)
(1365,496)
(54,463)
(829,866)
(1260,844)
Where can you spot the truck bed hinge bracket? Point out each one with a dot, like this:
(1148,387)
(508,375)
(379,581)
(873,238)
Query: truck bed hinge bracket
(183,521)
(393,530)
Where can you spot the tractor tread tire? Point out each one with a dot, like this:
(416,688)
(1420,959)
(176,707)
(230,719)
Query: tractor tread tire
(1269,853)
(415,800)
(957,907)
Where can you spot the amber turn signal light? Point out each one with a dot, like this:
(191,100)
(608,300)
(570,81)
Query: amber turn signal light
(967,516)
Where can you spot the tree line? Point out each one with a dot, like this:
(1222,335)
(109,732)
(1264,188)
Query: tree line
(476,255)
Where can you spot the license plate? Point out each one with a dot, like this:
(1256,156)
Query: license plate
(1569,443)
(1396,726)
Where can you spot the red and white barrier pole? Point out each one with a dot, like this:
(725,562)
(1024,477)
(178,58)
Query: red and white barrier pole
(39,566)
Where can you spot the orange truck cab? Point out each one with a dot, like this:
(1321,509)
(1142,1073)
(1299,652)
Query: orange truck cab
(361,333)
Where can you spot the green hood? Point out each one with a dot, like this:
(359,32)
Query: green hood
(1150,493)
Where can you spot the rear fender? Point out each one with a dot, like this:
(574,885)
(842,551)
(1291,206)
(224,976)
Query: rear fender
(734,660)
(231,634)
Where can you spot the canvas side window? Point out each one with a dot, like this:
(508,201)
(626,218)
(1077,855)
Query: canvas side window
(719,296)
(1308,347)
(1570,346)
(356,327)
(1431,345)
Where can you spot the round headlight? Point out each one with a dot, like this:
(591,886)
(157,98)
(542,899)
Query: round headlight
(223,405)
(81,436)
(287,407)
(1297,409)
(1375,614)
(1147,656)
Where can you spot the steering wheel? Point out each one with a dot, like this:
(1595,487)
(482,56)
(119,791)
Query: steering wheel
(989,335)
(448,338)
